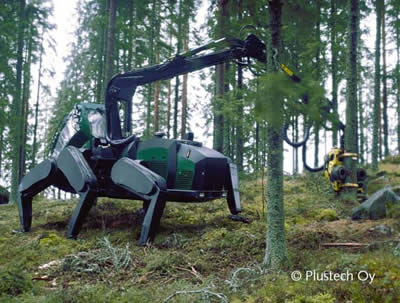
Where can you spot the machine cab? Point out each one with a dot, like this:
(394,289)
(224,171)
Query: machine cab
(84,122)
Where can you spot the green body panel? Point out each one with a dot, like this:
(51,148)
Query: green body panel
(184,173)
(156,159)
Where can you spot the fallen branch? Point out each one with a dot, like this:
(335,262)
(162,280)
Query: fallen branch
(351,244)
(43,278)
(205,292)
(193,271)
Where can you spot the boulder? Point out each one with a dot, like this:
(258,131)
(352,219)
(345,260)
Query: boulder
(382,230)
(375,207)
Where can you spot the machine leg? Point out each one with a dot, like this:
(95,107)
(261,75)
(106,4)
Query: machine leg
(25,212)
(233,197)
(146,185)
(37,180)
(81,177)
(151,222)
(87,199)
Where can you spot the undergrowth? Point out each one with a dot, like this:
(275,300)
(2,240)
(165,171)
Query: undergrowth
(199,254)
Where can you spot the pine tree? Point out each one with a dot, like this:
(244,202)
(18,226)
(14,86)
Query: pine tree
(397,31)
(110,39)
(384,88)
(376,107)
(276,252)
(220,80)
(17,106)
(351,137)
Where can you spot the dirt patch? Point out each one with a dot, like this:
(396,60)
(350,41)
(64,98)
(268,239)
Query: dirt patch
(59,225)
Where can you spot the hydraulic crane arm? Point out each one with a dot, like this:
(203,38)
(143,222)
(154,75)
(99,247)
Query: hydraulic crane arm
(122,86)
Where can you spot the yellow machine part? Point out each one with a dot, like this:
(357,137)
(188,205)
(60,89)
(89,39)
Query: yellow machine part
(335,158)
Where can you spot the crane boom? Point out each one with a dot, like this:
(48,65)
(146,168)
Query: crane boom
(122,86)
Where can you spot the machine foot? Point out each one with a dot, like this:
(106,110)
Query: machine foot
(239,218)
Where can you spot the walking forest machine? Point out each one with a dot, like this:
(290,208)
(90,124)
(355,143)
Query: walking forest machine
(93,156)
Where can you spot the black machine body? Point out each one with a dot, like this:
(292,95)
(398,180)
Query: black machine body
(94,154)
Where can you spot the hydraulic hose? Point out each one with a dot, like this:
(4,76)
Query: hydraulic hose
(295,144)
(312,169)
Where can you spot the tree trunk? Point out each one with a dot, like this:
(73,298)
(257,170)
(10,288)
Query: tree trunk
(169,93)
(384,96)
(264,145)
(334,63)
(361,126)
(239,121)
(375,125)
(110,39)
(152,52)
(239,124)
(177,80)
(176,101)
(156,106)
(318,75)
(1,149)
(220,83)
(25,103)
(131,34)
(157,84)
(398,81)
(360,143)
(35,126)
(350,143)
(17,106)
(257,153)
(100,56)
(184,84)
(227,143)
(276,256)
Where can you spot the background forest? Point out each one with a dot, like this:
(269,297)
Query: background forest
(144,33)
(345,51)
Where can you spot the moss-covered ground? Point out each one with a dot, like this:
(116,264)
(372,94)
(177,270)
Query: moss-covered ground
(200,255)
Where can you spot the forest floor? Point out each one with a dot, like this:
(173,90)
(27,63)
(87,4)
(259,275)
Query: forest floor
(202,256)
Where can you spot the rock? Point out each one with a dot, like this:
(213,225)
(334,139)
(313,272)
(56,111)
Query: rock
(381,229)
(375,207)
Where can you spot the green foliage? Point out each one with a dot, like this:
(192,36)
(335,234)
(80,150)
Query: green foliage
(393,210)
(88,293)
(279,288)
(52,239)
(327,215)
(14,281)
(395,159)
(278,88)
